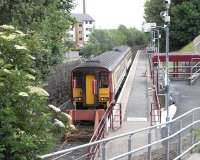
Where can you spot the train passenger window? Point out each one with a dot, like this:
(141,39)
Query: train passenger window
(78,77)
(103,80)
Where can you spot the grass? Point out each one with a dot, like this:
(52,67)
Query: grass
(188,48)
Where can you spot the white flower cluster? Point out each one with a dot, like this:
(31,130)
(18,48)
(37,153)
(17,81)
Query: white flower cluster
(31,57)
(7,27)
(20,47)
(6,71)
(59,123)
(30,77)
(23,94)
(37,90)
(9,37)
(67,116)
(54,108)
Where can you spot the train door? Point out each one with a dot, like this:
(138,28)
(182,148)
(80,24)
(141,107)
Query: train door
(90,89)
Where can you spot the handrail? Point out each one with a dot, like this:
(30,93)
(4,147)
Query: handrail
(118,136)
(196,65)
(110,106)
(157,99)
(99,131)
(156,142)
(188,150)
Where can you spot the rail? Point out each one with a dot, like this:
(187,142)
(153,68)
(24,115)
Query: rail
(100,130)
(182,136)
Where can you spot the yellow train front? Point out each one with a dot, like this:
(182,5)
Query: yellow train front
(95,83)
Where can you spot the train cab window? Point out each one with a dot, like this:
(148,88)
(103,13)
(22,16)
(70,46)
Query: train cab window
(78,77)
(103,80)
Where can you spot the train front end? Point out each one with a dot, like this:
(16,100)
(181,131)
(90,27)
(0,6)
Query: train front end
(91,86)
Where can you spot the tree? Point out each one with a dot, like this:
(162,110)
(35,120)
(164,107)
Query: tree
(103,40)
(99,42)
(184,23)
(25,120)
(152,9)
(184,26)
(47,19)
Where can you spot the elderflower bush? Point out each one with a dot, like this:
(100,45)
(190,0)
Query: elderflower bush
(25,119)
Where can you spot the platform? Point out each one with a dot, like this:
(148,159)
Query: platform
(194,156)
(134,99)
(186,96)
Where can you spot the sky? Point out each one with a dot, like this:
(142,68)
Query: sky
(110,14)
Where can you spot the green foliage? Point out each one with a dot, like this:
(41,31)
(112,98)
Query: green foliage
(25,120)
(103,40)
(48,20)
(185,23)
(152,11)
(185,20)
(188,48)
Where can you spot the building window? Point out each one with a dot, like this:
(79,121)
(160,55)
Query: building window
(87,35)
(80,32)
(80,39)
(86,22)
(90,22)
(89,29)
(80,25)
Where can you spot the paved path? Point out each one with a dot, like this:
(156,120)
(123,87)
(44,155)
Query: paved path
(195,156)
(134,107)
(186,96)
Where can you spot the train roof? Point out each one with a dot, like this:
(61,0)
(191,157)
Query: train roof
(109,59)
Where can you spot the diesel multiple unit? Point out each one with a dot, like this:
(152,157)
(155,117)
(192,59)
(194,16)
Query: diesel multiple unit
(96,82)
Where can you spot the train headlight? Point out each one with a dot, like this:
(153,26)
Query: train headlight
(78,98)
(104,99)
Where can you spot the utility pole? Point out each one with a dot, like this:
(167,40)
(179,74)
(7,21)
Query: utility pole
(167,20)
(166,17)
(158,41)
(84,7)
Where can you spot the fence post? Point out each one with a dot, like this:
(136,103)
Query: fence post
(104,151)
(120,107)
(179,139)
(192,130)
(167,150)
(129,146)
(149,148)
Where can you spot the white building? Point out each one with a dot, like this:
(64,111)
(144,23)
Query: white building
(81,30)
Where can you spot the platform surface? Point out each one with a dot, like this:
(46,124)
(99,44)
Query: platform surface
(136,109)
(134,101)
(186,96)
(195,156)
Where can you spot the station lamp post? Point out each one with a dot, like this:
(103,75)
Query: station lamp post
(166,18)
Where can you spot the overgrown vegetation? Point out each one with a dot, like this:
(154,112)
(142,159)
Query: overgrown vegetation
(28,125)
(188,48)
(102,40)
(185,20)
(47,20)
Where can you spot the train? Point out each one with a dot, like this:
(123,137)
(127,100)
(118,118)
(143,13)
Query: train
(96,82)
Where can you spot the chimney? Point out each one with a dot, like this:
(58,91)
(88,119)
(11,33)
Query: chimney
(84,9)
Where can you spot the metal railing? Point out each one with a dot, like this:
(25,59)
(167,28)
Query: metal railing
(100,130)
(182,138)
(195,73)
